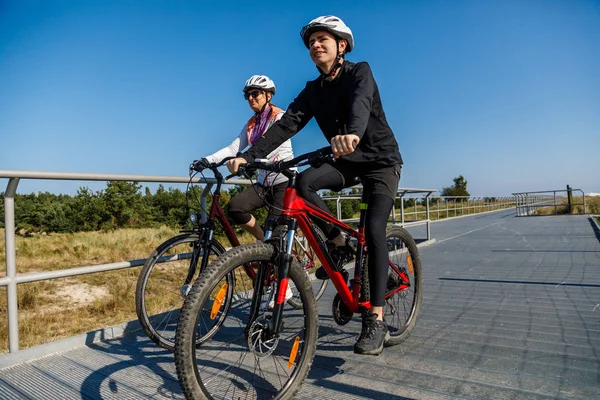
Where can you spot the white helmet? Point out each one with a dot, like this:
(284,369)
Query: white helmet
(260,82)
(331,24)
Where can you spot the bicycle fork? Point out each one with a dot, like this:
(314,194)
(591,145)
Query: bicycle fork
(281,275)
(201,247)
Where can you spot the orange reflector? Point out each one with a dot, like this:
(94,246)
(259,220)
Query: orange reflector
(294,352)
(410,264)
(218,301)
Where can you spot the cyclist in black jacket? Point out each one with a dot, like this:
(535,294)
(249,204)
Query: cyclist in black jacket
(345,102)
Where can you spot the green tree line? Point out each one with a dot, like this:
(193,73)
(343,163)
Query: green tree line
(119,205)
(124,205)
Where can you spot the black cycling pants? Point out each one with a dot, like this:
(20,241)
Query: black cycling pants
(254,197)
(379,189)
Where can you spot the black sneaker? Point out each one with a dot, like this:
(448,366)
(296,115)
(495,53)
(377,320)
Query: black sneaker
(341,255)
(321,274)
(373,335)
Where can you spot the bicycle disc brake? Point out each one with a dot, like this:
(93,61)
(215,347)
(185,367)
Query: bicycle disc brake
(341,314)
(259,345)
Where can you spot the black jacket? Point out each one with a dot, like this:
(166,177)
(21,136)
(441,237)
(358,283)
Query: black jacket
(348,104)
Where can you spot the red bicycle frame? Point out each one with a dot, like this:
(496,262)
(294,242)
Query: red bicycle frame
(302,211)
(297,208)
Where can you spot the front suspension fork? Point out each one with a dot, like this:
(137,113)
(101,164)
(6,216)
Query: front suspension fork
(280,270)
(201,247)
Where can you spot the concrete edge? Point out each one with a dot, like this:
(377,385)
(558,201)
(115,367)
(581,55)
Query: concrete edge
(426,243)
(60,346)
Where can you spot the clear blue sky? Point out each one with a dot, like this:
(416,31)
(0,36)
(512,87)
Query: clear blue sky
(506,92)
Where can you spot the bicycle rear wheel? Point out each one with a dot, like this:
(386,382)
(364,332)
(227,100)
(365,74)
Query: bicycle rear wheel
(160,288)
(240,360)
(404,286)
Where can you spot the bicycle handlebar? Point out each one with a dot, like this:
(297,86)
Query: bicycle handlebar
(280,166)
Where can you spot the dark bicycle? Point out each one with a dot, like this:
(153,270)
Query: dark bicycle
(168,273)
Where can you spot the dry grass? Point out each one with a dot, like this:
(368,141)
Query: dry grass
(451,209)
(52,310)
(61,251)
(592,206)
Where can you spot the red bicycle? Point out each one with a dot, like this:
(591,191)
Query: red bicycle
(168,273)
(262,353)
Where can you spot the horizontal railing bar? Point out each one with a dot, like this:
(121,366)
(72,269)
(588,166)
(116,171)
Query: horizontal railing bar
(78,176)
(549,191)
(89,269)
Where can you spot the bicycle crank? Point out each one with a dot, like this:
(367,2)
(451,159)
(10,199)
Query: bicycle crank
(341,314)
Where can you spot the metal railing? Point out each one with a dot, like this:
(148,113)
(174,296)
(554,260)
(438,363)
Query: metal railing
(12,279)
(527,203)
(455,206)
(402,192)
(419,206)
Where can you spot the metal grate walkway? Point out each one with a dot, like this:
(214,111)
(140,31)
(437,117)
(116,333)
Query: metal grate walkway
(511,311)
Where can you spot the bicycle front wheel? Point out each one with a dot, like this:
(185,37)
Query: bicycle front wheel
(404,285)
(161,287)
(241,360)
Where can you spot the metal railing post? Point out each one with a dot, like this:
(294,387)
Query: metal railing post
(402,208)
(416,217)
(427,215)
(447,215)
(11,265)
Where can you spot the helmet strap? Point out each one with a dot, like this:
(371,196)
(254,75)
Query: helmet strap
(268,100)
(337,63)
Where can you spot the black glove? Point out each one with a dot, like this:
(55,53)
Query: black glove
(199,165)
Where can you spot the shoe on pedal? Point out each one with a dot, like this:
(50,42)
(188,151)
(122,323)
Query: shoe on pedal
(341,255)
(372,337)
(321,274)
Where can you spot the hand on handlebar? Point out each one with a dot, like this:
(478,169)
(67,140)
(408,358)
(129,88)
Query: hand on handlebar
(344,144)
(233,165)
(199,165)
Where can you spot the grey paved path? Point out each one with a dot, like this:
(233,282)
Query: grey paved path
(511,311)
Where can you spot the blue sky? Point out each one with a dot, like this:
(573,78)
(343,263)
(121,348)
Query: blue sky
(505,93)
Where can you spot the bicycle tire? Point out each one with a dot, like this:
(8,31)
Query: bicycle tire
(225,341)
(404,255)
(150,319)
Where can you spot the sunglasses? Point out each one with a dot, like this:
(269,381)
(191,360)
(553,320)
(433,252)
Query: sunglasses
(254,93)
